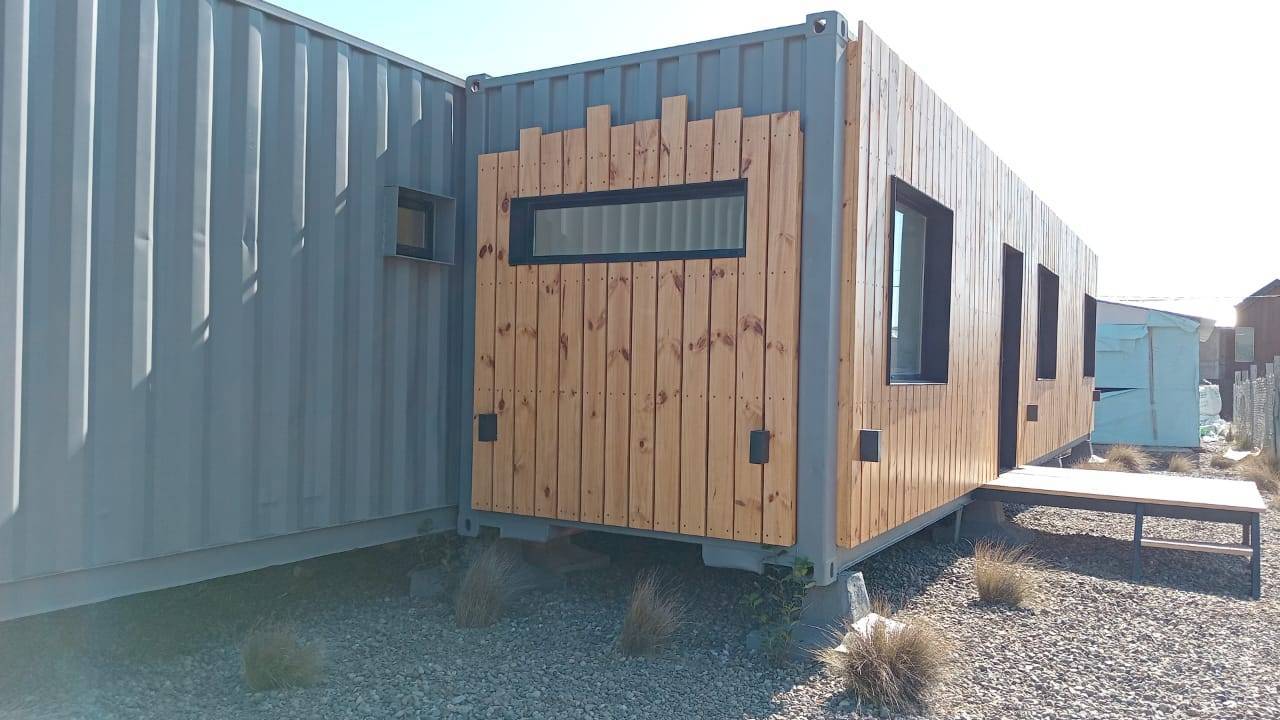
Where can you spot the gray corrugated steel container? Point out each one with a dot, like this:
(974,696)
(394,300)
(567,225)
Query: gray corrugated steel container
(212,351)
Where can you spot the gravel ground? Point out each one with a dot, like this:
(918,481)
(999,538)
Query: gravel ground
(1188,643)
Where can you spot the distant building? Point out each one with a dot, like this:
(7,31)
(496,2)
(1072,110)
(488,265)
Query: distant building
(1259,317)
(1148,365)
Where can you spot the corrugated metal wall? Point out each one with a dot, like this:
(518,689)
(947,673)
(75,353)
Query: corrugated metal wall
(213,347)
(760,72)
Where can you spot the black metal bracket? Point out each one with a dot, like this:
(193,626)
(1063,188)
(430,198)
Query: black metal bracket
(758,453)
(1097,395)
(1033,413)
(869,445)
(487,427)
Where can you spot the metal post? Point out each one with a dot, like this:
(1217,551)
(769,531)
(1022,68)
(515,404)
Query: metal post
(1137,543)
(1244,533)
(955,531)
(1257,557)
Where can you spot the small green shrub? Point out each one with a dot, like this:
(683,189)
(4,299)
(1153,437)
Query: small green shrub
(654,615)
(1181,464)
(774,606)
(896,670)
(1130,458)
(274,657)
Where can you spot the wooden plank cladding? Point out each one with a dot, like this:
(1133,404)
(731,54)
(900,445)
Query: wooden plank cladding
(939,441)
(626,392)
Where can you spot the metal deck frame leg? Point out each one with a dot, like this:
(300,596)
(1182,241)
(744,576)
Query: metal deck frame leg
(1137,543)
(1256,561)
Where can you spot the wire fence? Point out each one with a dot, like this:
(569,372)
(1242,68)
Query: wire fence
(1257,406)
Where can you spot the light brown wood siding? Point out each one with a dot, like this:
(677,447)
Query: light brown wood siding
(939,441)
(636,384)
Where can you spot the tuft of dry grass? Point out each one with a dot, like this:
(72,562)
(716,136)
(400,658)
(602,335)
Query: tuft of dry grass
(1004,575)
(1108,465)
(1264,471)
(1181,464)
(486,589)
(1130,458)
(1221,462)
(896,670)
(1241,442)
(654,615)
(273,657)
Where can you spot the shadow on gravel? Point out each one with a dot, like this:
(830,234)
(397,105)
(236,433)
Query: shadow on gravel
(1111,559)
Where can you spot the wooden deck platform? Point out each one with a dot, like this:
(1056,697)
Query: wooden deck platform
(1142,495)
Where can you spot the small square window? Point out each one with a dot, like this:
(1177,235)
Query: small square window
(1047,325)
(415,225)
(920,236)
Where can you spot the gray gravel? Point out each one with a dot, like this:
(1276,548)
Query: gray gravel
(1186,644)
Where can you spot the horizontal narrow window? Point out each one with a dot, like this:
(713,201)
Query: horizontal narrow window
(920,291)
(701,220)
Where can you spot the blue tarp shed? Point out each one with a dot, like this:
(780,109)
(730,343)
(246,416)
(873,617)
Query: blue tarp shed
(1148,371)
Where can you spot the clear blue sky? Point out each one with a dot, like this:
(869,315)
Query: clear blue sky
(1150,127)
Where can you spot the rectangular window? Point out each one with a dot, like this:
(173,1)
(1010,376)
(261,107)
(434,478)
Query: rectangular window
(1244,345)
(1047,325)
(1090,335)
(698,220)
(920,287)
(415,232)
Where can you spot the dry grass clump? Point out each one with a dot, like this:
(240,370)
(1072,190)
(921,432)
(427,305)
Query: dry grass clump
(1130,458)
(1264,471)
(274,657)
(1181,464)
(895,669)
(654,615)
(1108,465)
(1004,575)
(1221,462)
(486,589)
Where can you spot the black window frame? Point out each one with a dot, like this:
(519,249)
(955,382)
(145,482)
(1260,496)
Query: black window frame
(1090,336)
(524,208)
(413,200)
(935,341)
(1048,299)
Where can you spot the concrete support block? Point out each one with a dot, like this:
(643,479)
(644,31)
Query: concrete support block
(985,520)
(828,610)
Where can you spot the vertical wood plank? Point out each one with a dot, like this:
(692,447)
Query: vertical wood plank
(781,327)
(594,340)
(694,362)
(504,352)
(669,334)
(526,345)
(750,341)
(571,441)
(644,308)
(551,158)
(723,372)
(486,287)
(617,427)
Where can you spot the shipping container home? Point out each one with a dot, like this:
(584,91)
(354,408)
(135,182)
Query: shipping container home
(765,293)
(270,292)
